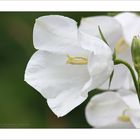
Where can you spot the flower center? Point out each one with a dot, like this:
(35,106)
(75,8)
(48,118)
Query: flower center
(124,117)
(121,46)
(76,60)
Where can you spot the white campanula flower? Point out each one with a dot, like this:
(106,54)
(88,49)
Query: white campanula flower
(119,109)
(130,24)
(68,63)
(117,32)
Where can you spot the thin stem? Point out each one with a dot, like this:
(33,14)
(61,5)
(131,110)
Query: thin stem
(139,87)
(119,61)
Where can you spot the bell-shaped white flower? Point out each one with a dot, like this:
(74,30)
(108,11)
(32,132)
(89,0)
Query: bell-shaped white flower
(113,29)
(68,63)
(114,110)
(130,23)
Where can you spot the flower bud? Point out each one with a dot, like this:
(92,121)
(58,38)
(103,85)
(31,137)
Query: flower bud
(135,51)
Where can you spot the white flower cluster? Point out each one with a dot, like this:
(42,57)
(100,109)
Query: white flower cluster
(72,60)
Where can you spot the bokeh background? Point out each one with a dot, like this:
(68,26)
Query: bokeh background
(21,106)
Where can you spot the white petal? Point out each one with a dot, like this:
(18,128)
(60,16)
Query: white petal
(100,63)
(110,27)
(134,116)
(123,73)
(104,109)
(120,79)
(126,55)
(95,45)
(100,70)
(128,83)
(130,23)
(65,102)
(50,74)
(130,98)
(54,79)
(56,34)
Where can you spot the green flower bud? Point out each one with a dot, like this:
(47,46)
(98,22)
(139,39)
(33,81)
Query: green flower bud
(135,51)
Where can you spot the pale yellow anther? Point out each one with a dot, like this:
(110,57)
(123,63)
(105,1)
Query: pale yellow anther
(76,60)
(124,117)
(121,46)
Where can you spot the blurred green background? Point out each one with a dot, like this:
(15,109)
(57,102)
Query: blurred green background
(21,106)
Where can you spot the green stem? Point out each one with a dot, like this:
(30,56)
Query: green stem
(139,87)
(119,61)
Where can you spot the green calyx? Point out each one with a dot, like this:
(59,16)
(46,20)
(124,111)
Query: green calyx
(135,51)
